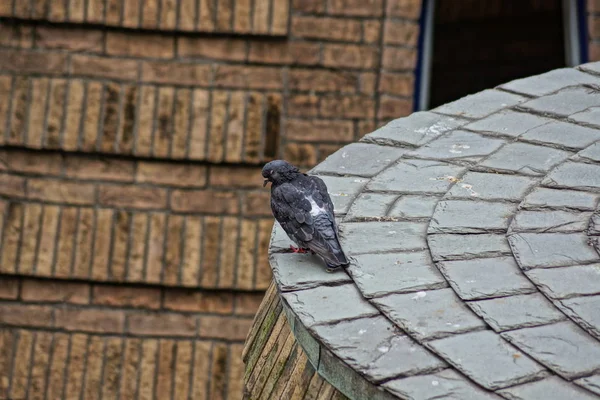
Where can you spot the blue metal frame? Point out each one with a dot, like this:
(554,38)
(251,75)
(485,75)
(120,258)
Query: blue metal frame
(583,31)
(420,53)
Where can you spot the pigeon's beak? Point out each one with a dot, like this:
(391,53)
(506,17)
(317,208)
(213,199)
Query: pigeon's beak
(265,182)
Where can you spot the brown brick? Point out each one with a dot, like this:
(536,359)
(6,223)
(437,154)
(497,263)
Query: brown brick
(398,84)
(102,237)
(172,174)
(23,358)
(15,35)
(137,248)
(183,369)
(200,112)
(241,17)
(147,369)
(187,15)
(263,271)
(125,138)
(11,239)
(254,127)
(5,93)
(218,371)
(366,126)
(194,300)
(234,177)
(39,365)
(168,14)
(404,8)
(280,18)
(247,252)
(146,121)
(165,362)
(118,263)
(25,315)
(181,123)
(155,248)
(248,77)
(401,32)
(397,58)
(113,12)
(110,122)
(163,324)
(101,168)
(57,11)
(247,303)
(201,379)
(59,191)
(163,131)
(131,16)
(173,247)
(350,56)
(140,45)
(83,243)
(68,229)
(58,366)
(323,80)
(48,238)
(227,49)
(235,127)
(150,14)
(70,39)
(132,196)
(92,116)
(103,67)
(325,150)
(257,204)
(113,362)
(9,288)
(190,268)
(18,116)
(368,83)
(300,53)
(25,62)
(235,378)
(77,10)
(326,28)
(300,153)
(76,365)
(74,112)
(206,21)
(303,105)
(260,23)
(229,248)
(391,107)
(90,320)
(204,201)
(315,130)
(93,368)
(176,73)
(221,327)
(55,291)
(54,122)
(210,252)
(594,50)
(120,296)
(12,186)
(131,366)
(37,112)
(7,340)
(371,31)
(309,6)
(362,8)
(348,106)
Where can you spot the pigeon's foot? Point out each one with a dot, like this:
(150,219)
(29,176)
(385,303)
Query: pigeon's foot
(299,250)
(331,269)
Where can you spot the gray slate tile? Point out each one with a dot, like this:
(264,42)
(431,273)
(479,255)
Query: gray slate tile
(594,227)
(480,104)
(471,353)
(567,135)
(591,152)
(525,158)
(381,274)
(463,247)
(370,205)
(551,388)
(327,304)
(359,159)
(566,102)
(534,250)
(429,314)
(414,207)
(447,385)
(302,271)
(550,221)
(461,216)
(343,191)
(485,278)
(518,311)
(414,130)
(592,67)
(486,186)
(507,123)
(572,175)
(563,347)
(375,237)
(377,349)
(591,383)
(417,176)
(458,145)
(591,116)
(562,199)
(585,312)
(550,82)
(560,283)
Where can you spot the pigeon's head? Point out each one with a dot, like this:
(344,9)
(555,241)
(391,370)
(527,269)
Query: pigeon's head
(279,171)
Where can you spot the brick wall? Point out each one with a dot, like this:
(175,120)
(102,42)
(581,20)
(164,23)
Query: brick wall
(132,134)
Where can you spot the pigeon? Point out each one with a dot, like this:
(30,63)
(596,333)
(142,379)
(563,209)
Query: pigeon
(303,208)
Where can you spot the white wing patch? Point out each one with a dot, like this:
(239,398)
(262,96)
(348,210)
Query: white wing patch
(315,209)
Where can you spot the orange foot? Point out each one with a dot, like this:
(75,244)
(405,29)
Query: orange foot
(298,250)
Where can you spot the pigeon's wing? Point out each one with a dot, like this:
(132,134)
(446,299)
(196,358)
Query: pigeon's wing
(293,209)
(321,195)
